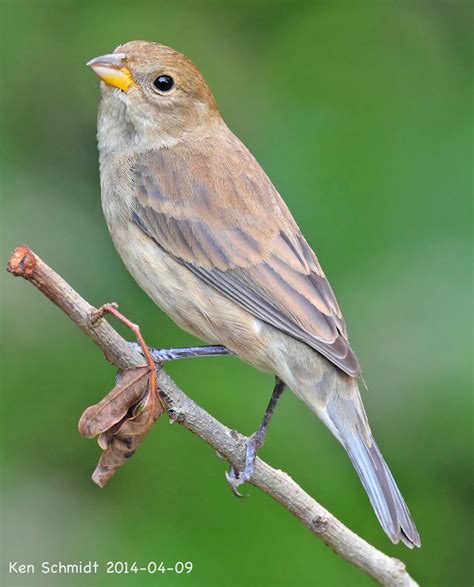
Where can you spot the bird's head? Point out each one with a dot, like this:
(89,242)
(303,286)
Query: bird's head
(153,93)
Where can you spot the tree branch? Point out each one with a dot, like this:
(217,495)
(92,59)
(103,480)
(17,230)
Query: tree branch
(228,443)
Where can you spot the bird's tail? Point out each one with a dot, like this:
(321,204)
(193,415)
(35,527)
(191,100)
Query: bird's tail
(384,495)
(344,414)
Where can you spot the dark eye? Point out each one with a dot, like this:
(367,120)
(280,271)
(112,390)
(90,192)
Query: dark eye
(164,83)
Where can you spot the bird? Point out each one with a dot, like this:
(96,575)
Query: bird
(206,235)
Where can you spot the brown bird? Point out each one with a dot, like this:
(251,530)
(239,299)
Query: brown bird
(206,235)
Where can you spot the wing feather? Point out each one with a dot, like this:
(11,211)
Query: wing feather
(249,248)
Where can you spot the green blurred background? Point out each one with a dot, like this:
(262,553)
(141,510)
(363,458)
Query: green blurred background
(361,114)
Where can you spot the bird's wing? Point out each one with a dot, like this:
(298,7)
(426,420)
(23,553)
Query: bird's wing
(222,218)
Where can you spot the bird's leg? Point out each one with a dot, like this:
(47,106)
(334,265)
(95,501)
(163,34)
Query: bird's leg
(254,442)
(160,356)
(164,355)
(152,388)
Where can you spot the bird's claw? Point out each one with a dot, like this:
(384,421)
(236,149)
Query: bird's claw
(236,478)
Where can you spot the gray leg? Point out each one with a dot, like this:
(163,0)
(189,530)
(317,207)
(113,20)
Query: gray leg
(164,355)
(254,442)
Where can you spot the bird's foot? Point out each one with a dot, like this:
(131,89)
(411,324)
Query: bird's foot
(236,478)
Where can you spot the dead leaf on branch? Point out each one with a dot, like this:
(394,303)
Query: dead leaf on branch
(121,421)
(130,387)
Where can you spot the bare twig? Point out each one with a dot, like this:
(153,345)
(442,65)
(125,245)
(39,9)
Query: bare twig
(228,443)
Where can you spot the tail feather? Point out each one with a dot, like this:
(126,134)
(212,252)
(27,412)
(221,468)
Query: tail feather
(336,400)
(345,416)
(385,497)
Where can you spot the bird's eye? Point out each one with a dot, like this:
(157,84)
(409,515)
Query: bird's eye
(163,83)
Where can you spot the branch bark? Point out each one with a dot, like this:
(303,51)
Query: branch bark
(228,443)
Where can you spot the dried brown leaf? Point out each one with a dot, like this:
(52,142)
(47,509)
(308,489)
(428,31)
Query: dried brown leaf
(125,439)
(121,420)
(130,387)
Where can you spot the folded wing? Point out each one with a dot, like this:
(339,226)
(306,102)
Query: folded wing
(226,222)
